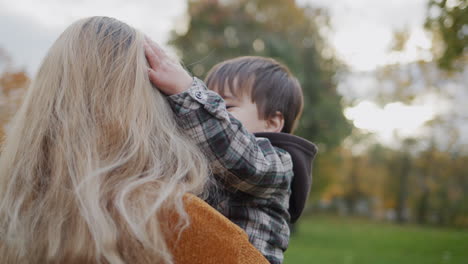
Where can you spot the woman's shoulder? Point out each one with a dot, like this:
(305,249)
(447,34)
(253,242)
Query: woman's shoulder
(212,238)
(202,214)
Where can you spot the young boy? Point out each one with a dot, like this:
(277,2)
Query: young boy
(255,178)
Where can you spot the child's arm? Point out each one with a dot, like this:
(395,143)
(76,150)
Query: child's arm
(256,166)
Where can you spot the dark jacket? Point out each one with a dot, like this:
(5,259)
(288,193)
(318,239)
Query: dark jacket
(302,153)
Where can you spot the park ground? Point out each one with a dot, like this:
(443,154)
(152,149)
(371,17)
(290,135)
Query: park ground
(339,240)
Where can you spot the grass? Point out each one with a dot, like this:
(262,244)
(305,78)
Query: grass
(334,240)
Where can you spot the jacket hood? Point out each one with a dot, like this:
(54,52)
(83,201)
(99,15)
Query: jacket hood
(302,153)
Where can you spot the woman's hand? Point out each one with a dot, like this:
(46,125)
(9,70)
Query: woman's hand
(165,73)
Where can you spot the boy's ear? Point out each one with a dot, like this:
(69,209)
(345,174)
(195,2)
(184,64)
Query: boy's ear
(275,123)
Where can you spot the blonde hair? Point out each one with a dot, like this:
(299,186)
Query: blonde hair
(94,159)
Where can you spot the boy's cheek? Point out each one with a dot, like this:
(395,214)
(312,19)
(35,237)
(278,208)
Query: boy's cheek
(237,114)
(245,120)
(234,113)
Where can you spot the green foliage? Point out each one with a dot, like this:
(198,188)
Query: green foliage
(220,30)
(448,20)
(331,240)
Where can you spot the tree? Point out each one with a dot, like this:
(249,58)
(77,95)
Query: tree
(220,30)
(448,21)
(12,86)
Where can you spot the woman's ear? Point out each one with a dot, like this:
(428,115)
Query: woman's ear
(275,123)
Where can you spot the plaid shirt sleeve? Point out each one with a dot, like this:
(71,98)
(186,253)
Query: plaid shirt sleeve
(256,167)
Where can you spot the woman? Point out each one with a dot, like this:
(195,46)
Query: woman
(94,169)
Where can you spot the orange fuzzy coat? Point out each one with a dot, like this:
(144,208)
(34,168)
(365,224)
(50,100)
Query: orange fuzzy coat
(212,239)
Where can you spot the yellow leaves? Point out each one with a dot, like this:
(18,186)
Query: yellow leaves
(10,81)
(12,88)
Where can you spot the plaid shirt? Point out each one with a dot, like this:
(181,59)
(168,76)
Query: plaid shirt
(254,176)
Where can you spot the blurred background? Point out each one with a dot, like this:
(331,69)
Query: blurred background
(386,92)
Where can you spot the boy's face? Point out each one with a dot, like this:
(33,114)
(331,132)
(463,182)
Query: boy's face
(244,110)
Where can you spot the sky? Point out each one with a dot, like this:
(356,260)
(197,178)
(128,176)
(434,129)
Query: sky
(362,28)
(362,35)
(28,27)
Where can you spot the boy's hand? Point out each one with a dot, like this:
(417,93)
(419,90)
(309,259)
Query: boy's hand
(165,73)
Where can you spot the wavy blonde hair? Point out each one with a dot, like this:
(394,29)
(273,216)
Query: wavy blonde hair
(94,157)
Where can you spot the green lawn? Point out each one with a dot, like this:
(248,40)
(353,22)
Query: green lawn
(333,240)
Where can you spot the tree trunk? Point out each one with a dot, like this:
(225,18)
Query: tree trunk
(403,188)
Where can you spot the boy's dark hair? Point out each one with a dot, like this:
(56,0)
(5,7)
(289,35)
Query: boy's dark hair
(271,85)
